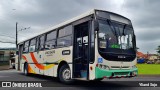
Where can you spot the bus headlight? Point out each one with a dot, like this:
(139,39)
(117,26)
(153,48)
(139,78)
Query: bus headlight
(134,67)
(107,68)
(100,66)
(103,67)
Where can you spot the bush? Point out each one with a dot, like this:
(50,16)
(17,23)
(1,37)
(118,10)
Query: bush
(158,62)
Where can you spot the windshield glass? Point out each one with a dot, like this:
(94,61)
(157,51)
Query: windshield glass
(115,38)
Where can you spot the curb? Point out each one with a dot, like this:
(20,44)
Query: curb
(158,75)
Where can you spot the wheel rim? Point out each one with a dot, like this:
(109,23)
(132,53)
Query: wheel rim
(66,74)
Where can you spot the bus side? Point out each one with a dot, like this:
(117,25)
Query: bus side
(46,62)
(41,55)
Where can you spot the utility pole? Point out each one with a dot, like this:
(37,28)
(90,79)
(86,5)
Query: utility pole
(17,45)
(16,36)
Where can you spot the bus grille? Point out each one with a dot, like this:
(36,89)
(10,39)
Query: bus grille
(118,67)
(121,73)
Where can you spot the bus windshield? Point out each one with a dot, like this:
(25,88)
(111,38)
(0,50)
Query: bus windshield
(115,37)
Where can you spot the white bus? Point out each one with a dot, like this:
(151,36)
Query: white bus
(95,45)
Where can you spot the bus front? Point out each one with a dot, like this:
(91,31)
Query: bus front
(115,46)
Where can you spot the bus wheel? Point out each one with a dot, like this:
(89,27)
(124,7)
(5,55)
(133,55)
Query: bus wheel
(26,69)
(65,74)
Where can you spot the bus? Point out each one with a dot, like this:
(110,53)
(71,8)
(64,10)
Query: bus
(95,45)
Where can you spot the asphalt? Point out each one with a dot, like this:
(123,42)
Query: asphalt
(53,83)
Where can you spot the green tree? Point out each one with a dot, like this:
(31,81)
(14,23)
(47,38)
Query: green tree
(158,50)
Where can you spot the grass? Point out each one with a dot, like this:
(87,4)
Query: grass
(148,69)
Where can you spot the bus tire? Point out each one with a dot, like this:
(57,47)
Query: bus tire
(64,74)
(25,69)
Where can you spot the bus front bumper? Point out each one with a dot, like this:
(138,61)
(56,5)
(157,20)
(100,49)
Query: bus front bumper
(100,73)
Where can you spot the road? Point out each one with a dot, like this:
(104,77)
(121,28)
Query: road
(13,75)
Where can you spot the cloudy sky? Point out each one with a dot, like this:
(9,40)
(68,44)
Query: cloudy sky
(42,14)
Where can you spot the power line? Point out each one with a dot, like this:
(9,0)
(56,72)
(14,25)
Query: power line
(7,42)
(24,29)
(7,36)
(18,33)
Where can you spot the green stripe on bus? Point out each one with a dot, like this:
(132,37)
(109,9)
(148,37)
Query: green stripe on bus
(100,73)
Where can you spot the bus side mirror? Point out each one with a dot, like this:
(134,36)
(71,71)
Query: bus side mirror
(96,25)
(134,39)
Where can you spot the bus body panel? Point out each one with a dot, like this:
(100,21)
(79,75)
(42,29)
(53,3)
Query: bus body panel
(116,68)
(46,62)
(93,71)
(119,66)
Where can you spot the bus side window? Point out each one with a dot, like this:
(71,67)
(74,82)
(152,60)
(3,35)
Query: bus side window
(65,36)
(32,45)
(41,42)
(37,44)
(50,40)
(25,48)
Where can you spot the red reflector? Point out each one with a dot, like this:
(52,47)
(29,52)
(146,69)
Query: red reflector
(91,67)
(104,77)
(116,76)
(96,65)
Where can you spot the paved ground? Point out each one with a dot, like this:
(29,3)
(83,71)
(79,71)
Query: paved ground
(13,75)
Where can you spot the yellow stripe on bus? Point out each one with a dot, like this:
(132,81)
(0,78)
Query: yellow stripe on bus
(49,66)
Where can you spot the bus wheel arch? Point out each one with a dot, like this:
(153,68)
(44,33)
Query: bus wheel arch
(60,65)
(25,68)
(63,68)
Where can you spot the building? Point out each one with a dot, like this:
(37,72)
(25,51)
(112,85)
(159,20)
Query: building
(152,57)
(141,55)
(6,54)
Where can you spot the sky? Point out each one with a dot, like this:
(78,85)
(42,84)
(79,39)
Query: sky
(42,14)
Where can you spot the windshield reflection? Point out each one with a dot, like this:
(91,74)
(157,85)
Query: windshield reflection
(115,36)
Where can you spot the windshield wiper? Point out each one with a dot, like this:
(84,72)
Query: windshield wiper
(123,29)
(113,29)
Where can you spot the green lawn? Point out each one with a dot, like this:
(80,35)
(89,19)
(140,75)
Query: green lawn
(148,69)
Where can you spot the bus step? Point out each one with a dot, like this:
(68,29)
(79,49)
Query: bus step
(83,73)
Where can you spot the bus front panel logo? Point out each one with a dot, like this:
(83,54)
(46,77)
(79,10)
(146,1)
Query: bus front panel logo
(100,60)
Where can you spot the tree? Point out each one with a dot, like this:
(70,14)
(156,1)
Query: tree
(158,50)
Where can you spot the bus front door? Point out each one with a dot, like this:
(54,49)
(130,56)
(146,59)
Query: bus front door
(81,50)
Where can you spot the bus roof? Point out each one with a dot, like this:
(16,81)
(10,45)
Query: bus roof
(62,24)
(67,22)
